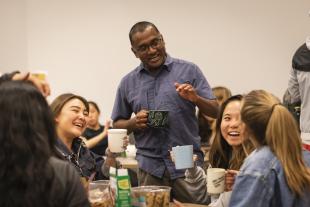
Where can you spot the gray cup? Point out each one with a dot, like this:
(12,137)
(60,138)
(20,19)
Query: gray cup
(157,118)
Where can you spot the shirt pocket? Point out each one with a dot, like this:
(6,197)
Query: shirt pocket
(137,99)
(169,99)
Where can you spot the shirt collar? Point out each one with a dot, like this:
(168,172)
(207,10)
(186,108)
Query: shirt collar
(63,148)
(165,66)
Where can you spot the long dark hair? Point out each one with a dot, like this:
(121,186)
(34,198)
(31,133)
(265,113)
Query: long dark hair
(27,137)
(221,153)
(94,105)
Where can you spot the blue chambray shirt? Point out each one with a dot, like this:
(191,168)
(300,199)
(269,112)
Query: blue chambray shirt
(261,182)
(140,90)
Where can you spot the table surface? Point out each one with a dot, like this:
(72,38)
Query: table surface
(188,205)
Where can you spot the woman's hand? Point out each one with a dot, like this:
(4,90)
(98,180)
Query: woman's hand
(230,179)
(106,127)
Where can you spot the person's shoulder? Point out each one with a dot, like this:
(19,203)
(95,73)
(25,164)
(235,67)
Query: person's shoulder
(67,186)
(182,62)
(61,167)
(184,66)
(64,171)
(259,162)
(131,74)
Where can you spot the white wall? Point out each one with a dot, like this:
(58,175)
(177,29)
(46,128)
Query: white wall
(84,46)
(13,38)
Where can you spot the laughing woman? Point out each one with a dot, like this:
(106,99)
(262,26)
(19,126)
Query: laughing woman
(228,150)
(70,115)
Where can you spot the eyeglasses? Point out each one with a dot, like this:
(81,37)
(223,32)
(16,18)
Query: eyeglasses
(155,43)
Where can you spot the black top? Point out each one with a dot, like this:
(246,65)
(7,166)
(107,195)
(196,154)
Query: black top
(301,59)
(101,147)
(66,186)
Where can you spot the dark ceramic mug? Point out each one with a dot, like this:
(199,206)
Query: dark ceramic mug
(157,118)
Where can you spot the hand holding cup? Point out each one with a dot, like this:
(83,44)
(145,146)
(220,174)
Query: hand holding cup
(230,179)
(141,119)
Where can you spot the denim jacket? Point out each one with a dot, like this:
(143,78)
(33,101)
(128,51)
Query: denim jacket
(82,158)
(261,182)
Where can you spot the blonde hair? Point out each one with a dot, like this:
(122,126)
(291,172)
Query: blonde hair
(221,93)
(239,155)
(272,124)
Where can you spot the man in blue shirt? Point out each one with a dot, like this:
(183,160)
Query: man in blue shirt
(161,82)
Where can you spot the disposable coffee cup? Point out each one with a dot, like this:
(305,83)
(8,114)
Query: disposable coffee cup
(183,156)
(40,74)
(116,140)
(215,180)
(157,118)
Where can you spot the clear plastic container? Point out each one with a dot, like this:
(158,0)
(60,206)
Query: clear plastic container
(150,196)
(99,194)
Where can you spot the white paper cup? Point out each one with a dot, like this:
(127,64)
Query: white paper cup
(183,156)
(215,180)
(116,139)
(40,74)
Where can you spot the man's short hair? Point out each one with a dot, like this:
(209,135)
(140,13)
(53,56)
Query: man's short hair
(140,27)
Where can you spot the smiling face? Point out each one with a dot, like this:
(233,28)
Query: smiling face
(232,127)
(149,47)
(72,119)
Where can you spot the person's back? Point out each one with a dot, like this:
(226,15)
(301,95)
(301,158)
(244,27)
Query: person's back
(299,89)
(294,108)
(263,167)
(66,189)
(29,175)
(277,172)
